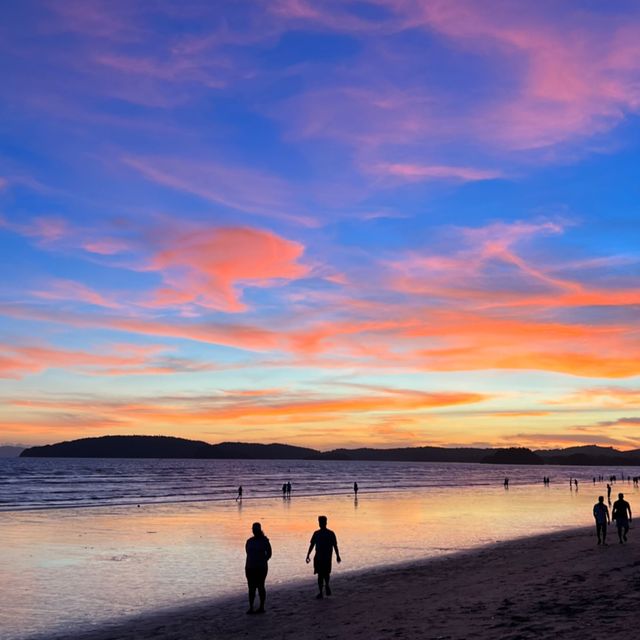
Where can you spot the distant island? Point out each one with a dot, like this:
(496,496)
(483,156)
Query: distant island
(170,447)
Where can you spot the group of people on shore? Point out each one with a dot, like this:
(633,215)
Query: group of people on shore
(258,550)
(286,491)
(324,541)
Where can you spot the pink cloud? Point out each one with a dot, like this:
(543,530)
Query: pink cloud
(420,172)
(70,290)
(237,335)
(105,246)
(208,266)
(235,187)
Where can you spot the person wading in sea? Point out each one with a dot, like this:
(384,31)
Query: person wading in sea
(324,540)
(258,550)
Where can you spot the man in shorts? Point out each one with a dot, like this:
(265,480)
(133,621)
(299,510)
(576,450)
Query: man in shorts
(324,540)
(601,514)
(621,513)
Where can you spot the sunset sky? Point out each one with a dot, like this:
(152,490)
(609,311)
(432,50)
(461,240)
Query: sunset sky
(379,223)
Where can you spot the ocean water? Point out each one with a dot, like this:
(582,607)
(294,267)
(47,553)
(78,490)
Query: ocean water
(77,551)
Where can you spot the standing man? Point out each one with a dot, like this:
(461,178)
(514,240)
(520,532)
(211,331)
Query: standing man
(258,550)
(621,513)
(324,540)
(608,493)
(355,489)
(601,514)
(239,496)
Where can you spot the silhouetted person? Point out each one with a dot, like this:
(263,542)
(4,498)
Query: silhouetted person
(258,550)
(575,481)
(324,541)
(609,493)
(239,496)
(571,484)
(284,489)
(621,513)
(288,489)
(506,483)
(355,489)
(601,514)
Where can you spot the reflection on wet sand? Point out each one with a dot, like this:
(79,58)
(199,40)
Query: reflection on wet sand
(64,566)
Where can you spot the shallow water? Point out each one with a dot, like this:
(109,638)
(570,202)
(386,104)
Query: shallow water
(78,567)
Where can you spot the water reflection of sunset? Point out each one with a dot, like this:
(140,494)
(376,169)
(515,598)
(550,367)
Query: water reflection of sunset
(65,565)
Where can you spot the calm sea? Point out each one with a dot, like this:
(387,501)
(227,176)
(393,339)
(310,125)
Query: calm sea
(44,483)
(89,541)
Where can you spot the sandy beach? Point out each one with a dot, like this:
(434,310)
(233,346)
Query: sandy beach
(556,585)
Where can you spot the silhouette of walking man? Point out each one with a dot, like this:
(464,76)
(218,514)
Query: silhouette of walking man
(239,496)
(619,513)
(609,493)
(601,514)
(324,540)
(258,550)
(355,489)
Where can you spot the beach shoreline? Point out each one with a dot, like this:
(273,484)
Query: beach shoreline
(559,583)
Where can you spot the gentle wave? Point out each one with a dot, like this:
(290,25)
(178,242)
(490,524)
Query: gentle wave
(48,483)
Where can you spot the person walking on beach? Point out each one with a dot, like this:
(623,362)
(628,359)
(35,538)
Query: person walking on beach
(355,489)
(324,540)
(506,483)
(288,489)
(284,489)
(258,550)
(575,481)
(239,496)
(601,514)
(621,513)
(609,493)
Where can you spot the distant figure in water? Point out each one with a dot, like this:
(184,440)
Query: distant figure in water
(324,540)
(621,513)
(288,489)
(601,514)
(284,489)
(239,496)
(575,481)
(355,489)
(506,483)
(571,484)
(258,551)
(609,493)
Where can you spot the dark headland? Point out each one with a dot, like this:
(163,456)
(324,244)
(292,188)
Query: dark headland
(169,447)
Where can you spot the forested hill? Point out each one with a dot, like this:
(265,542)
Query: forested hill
(170,447)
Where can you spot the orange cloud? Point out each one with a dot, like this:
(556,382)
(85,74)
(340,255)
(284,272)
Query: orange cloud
(121,359)
(611,397)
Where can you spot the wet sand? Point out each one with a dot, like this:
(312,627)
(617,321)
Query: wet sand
(557,585)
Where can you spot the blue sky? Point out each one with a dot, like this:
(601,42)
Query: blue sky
(330,224)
